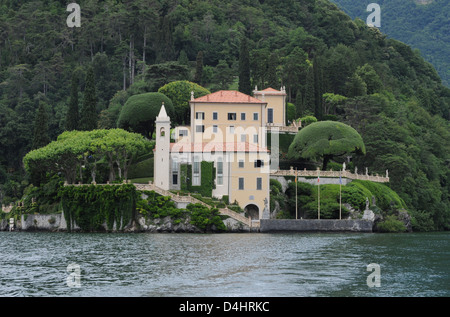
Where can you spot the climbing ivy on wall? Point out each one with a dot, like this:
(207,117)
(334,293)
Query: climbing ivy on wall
(90,206)
(207,179)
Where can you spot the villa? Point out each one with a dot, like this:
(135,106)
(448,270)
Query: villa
(224,150)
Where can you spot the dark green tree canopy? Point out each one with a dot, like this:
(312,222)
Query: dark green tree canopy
(179,92)
(325,140)
(140,111)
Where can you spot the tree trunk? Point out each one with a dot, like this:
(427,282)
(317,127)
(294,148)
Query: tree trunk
(145,44)
(124,69)
(118,168)
(326,160)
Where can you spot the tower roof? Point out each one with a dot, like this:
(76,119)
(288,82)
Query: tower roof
(162,116)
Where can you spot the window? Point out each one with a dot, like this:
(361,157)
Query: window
(196,172)
(214,129)
(175,164)
(259,163)
(162,132)
(200,115)
(243,116)
(231,129)
(255,138)
(241,163)
(200,128)
(215,116)
(270,115)
(182,133)
(243,137)
(255,116)
(232,116)
(175,179)
(258,183)
(241,183)
(219,171)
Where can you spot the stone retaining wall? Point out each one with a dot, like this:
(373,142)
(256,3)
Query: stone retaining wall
(315,225)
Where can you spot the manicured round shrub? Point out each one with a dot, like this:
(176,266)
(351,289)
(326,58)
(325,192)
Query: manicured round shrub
(140,111)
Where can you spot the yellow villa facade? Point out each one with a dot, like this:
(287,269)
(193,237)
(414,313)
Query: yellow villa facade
(227,128)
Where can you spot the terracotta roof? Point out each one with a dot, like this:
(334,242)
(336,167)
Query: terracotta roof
(217,147)
(228,96)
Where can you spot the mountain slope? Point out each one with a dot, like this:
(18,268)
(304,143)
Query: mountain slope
(424,25)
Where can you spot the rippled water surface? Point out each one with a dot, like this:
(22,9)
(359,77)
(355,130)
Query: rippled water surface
(251,265)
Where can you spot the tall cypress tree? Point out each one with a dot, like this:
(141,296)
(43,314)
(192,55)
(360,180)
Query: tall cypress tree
(199,68)
(244,68)
(88,119)
(164,43)
(72,118)
(318,88)
(40,136)
(309,96)
(272,78)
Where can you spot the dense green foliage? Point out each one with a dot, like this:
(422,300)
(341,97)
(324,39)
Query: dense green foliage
(423,26)
(90,207)
(391,224)
(394,99)
(205,218)
(157,206)
(325,140)
(140,111)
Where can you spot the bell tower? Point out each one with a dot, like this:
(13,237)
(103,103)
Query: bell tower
(162,150)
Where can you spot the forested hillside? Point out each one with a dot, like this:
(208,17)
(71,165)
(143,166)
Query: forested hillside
(423,24)
(379,86)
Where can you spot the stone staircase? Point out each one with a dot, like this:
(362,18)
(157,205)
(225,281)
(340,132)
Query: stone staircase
(192,200)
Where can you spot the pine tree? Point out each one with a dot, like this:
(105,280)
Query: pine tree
(40,136)
(199,69)
(72,118)
(88,119)
(244,68)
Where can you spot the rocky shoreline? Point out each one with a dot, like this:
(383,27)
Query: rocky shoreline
(57,223)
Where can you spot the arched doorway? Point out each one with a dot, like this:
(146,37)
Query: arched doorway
(252,211)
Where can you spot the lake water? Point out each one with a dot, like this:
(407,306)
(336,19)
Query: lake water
(223,265)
